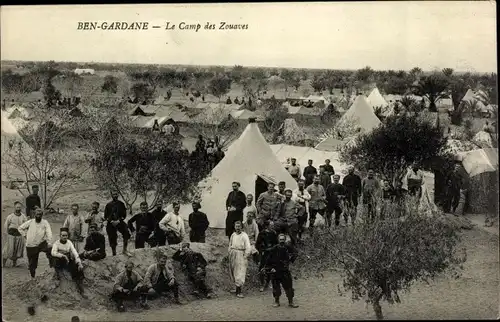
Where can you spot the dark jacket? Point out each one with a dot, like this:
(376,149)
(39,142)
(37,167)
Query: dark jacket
(32,201)
(329,169)
(96,241)
(333,192)
(190,261)
(157,216)
(309,173)
(325,180)
(144,223)
(280,257)
(115,210)
(198,221)
(238,200)
(266,240)
(352,183)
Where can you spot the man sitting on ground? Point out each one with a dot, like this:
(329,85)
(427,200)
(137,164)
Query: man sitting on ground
(129,286)
(66,258)
(195,266)
(95,244)
(160,279)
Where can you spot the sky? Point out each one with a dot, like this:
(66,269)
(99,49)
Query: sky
(351,35)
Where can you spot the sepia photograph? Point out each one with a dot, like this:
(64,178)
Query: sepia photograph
(250,161)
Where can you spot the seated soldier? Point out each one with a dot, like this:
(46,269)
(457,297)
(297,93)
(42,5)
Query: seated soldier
(95,244)
(195,266)
(66,257)
(160,279)
(129,286)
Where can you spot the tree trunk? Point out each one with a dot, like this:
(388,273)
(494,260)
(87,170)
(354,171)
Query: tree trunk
(432,106)
(378,310)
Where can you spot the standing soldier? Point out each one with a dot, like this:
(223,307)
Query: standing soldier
(32,201)
(278,261)
(115,214)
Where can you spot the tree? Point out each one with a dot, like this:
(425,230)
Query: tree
(458,88)
(415,73)
(153,168)
(381,259)
(252,87)
(318,83)
(50,94)
(216,123)
(364,75)
(219,85)
(17,85)
(71,84)
(448,72)
(433,87)
(331,80)
(43,159)
(274,118)
(288,76)
(295,83)
(237,73)
(152,77)
(142,91)
(110,84)
(411,105)
(396,144)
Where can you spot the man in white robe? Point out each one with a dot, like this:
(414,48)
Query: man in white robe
(239,250)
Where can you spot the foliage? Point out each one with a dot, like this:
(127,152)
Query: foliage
(415,73)
(50,94)
(364,75)
(219,86)
(253,86)
(295,83)
(72,84)
(274,119)
(110,84)
(151,168)
(289,77)
(216,123)
(458,88)
(237,73)
(17,85)
(433,87)
(396,144)
(43,159)
(318,83)
(381,259)
(411,105)
(448,72)
(397,83)
(142,91)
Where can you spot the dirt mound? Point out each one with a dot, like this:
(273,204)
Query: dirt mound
(99,279)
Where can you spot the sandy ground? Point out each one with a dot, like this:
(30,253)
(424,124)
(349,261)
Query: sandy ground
(474,296)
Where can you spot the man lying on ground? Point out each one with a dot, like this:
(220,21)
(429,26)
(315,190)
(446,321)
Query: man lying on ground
(95,244)
(160,279)
(129,286)
(66,258)
(194,265)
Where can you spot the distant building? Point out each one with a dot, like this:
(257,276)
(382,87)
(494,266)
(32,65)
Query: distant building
(84,71)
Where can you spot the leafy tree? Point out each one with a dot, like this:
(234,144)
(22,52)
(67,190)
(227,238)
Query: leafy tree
(415,73)
(71,84)
(433,87)
(50,94)
(274,118)
(288,76)
(295,83)
(252,87)
(17,85)
(364,75)
(411,105)
(219,85)
(381,259)
(448,72)
(152,168)
(142,91)
(318,84)
(110,84)
(237,73)
(400,141)
(152,77)
(332,79)
(458,88)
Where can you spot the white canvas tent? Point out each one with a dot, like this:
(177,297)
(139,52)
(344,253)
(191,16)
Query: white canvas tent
(479,161)
(469,96)
(376,99)
(247,158)
(483,139)
(361,115)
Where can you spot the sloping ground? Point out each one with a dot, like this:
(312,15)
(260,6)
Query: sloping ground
(99,279)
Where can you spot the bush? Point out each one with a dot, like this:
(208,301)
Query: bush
(381,259)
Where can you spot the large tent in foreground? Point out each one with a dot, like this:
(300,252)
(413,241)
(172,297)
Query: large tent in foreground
(249,161)
(361,115)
